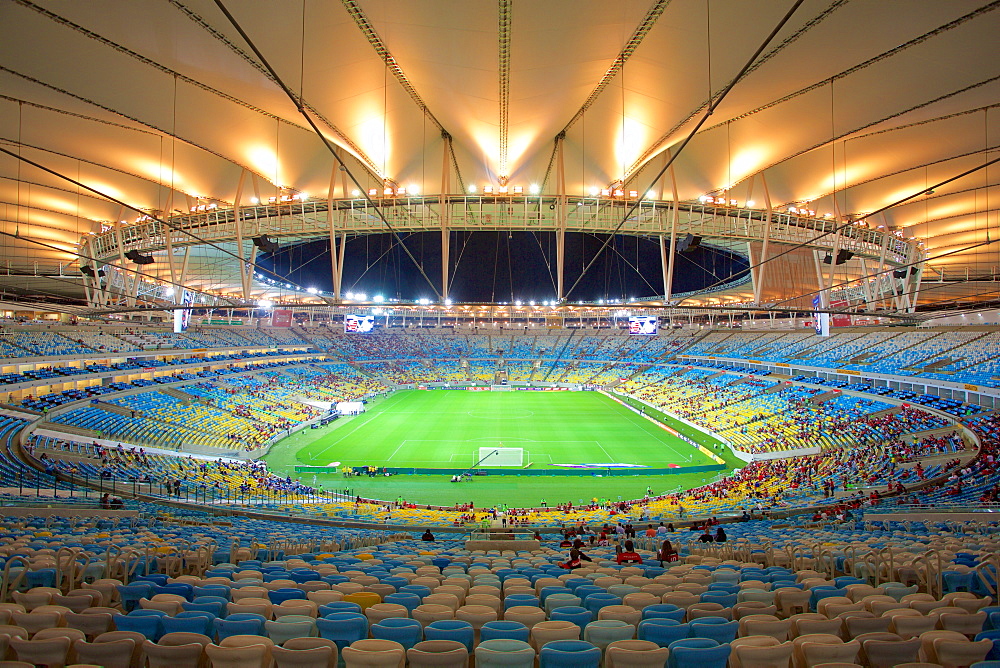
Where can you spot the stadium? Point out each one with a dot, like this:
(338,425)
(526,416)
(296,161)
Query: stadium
(385,334)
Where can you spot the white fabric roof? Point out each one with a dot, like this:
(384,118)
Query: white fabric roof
(854,105)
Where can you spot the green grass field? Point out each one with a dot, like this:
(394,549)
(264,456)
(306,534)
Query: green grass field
(445,429)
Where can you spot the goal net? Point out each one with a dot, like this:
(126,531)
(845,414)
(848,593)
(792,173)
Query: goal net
(497,456)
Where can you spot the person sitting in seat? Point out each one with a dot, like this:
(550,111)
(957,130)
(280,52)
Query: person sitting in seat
(666,553)
(720,535)
(629,555)
(576,559)
(428,536)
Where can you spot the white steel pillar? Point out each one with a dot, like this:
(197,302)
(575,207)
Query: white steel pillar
(758,279)
(238,219)
(331,217)
(561,204)
(445,205)
(674,214)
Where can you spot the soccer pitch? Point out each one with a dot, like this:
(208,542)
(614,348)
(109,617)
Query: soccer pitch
(444,429)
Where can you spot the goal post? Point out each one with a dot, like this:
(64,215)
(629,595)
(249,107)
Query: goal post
(500,456)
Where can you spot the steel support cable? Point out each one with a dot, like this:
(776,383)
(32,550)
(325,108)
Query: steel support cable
(851,223)
(687,140)
(326,142)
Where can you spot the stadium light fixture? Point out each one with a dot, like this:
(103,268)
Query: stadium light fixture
(349,295)
(254,200)
(750,203)
(472,187)
(312,291)
(265,303)
(169,292)
(355,193)
(360,296)
(378,299)
(534,189)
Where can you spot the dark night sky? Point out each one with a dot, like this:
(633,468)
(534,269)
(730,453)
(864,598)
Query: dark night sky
(501,267)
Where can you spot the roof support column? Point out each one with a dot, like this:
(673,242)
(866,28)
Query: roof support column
(758,279)
(331,220)
(93,295)
(834,253)
(168,242)
(238,220)
(126,288)
(668,278)
(561,204)
(915,277)
(866,285)
(445,204)
(824,298)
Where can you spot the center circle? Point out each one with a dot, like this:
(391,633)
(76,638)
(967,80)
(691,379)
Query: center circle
(508,415)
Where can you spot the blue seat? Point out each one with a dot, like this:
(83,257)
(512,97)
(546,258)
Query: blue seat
(147,625)
(725,600)
(504,631)
(663,631)
(723,588)
(130,594)
(817,594)
(41,577)
(407,632)
(553,589)
(343,628)
(395,581)
(152,578)
(209,599)
(202,625)
(179,588)
(595,602)
(575,583)
(419,590)
(957,581)
(569,654)
(698,653)
(279,596)
(338,606)
(220,591)
(238,627)
(993,619)
(583,591)
(845,580)
(664,611)
(721,633)
(215,609)
(451,629)
(994,635)
(408,600)
(573,613)
(521,599)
